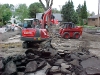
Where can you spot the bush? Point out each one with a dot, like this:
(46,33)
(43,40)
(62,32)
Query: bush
(1,24)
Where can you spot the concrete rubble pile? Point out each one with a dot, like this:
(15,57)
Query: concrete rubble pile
(46,60)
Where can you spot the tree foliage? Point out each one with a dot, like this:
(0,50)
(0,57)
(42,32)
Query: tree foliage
(54,10)
(82,13)
(5,13)
(35,8)
(22,12)
(68,12)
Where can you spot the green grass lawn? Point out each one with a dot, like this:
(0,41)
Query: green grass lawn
(86,26)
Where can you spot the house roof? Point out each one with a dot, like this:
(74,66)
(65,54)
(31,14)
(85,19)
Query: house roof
(94,16)
(58,16)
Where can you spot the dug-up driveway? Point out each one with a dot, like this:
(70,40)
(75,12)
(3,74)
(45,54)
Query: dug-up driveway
(87,41)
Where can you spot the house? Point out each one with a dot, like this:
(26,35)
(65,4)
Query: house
(93,20)
(57,16)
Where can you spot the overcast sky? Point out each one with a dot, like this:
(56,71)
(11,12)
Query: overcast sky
(92,5)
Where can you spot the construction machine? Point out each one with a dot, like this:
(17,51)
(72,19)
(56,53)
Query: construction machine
(35,32)
(69,30)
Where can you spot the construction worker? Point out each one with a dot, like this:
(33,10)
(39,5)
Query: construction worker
(36,24)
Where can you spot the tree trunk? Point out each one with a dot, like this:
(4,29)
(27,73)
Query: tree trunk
(49,4)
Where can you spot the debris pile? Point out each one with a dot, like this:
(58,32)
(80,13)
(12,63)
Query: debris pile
(46,60)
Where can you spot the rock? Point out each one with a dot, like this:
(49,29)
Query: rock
(74,56)
(68,57)
(10,68)
(82,73)
(41,72)
(63,70)
(1,65)
(75,62)
(31,67)
(29,74)
(47,68)
(42,64)
(64,65)
(55,69)
(20,73)
(59,61)
(91,65)
(30,55)
(84,57)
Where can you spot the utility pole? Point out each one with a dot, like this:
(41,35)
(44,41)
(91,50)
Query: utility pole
(98,11)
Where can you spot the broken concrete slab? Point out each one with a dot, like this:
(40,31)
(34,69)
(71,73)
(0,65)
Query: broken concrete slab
(1,65)
(59,61)
(20,73)
(31,67)
(10,68)
(55,69)
(91,65)
(65,65)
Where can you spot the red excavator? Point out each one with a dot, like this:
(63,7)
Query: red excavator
(33,31)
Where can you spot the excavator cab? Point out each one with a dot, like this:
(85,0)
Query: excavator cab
(30,23)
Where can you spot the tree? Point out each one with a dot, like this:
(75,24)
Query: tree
(22,12)
(69,13)
(78,10)
(5,13)
(54,10)
(35,8)
(84,11)
(49,4)
(79,13)
(92,13)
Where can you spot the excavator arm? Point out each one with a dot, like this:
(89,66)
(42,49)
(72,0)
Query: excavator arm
(46,19)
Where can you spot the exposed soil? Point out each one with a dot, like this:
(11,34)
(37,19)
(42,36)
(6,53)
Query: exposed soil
(87,40)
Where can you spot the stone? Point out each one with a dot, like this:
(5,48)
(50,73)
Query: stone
(1,65)
(20,73)
(75,62)
(66,66)
(10,68)
(63,70)
(31,67)
(74,56)
(55,69)
(41,72)
(59,61)
(29,74)
(42,64)
(91,65)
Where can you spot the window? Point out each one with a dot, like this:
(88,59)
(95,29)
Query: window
(93,19)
